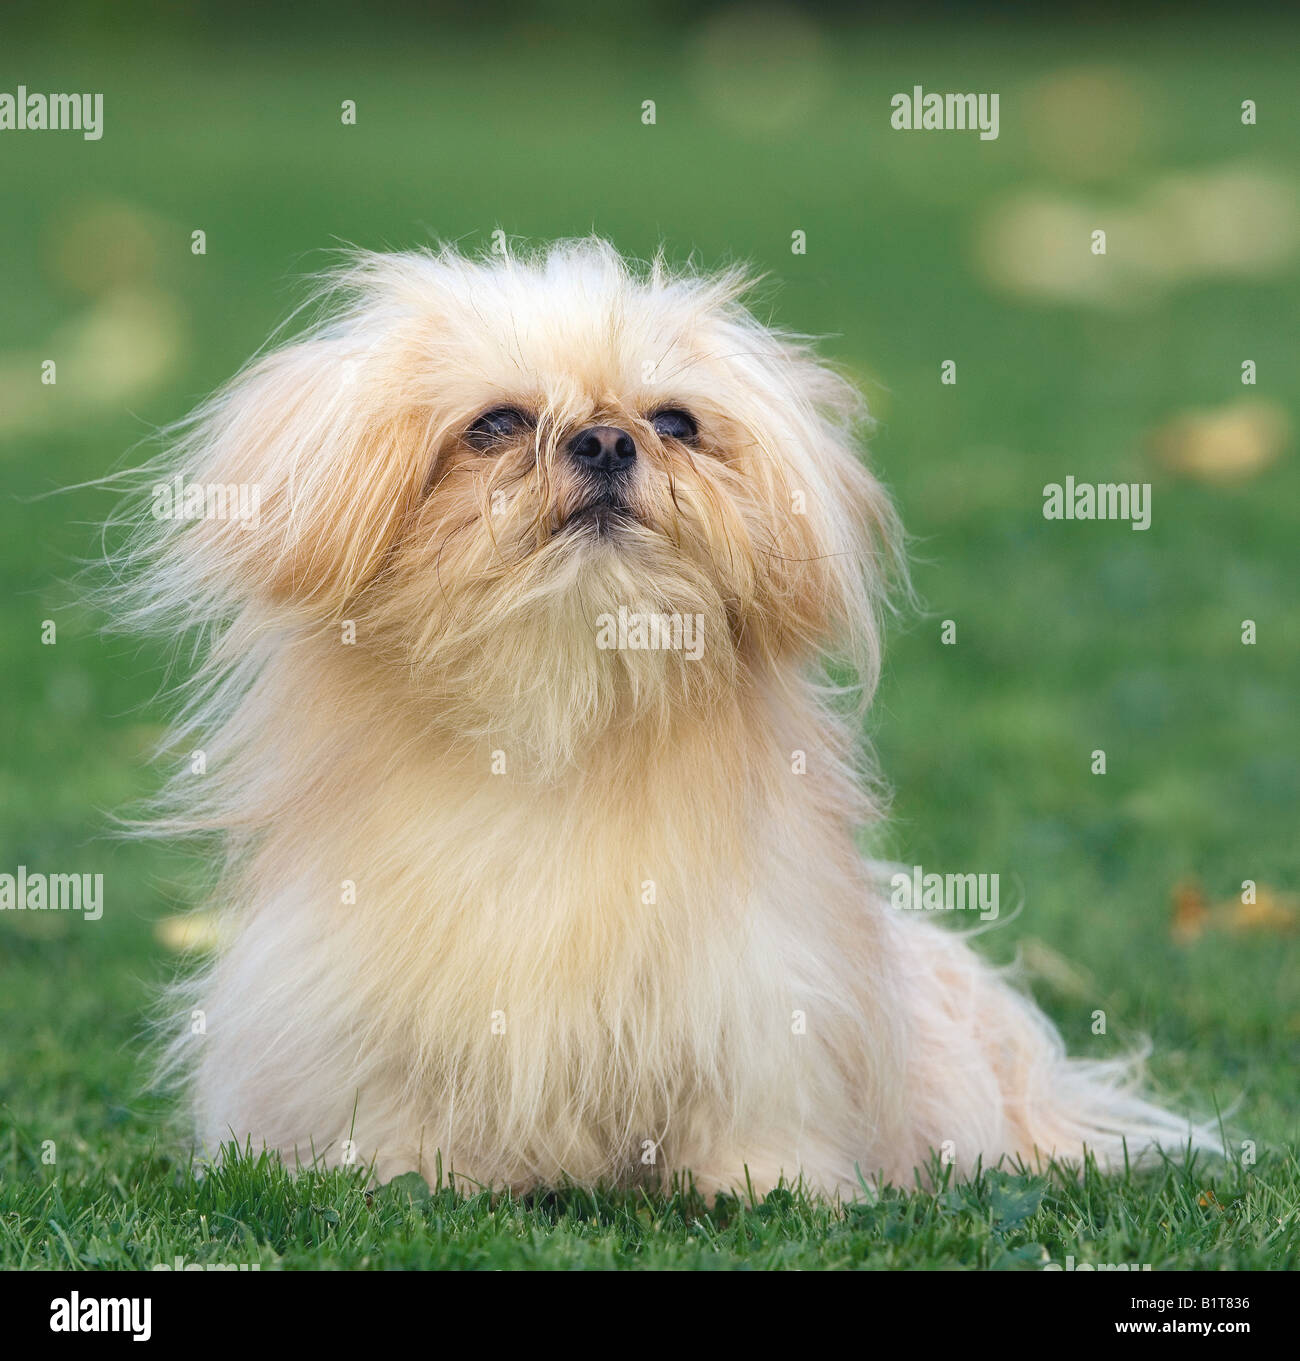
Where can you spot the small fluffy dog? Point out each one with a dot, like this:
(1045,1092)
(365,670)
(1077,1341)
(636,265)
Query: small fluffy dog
(537,808)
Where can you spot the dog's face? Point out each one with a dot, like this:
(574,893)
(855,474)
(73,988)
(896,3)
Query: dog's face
(482,464)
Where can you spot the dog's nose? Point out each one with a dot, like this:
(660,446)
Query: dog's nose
(603,449)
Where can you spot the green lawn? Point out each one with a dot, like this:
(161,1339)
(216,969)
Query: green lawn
(1070,636)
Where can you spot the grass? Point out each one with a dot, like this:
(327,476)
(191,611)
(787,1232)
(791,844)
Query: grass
(1070,637)
(251,1212)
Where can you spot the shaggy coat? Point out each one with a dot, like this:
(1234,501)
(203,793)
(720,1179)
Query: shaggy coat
(496,897)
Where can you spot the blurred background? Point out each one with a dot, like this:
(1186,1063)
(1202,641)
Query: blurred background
(921,247)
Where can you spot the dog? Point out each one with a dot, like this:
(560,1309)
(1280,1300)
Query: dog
(536,803)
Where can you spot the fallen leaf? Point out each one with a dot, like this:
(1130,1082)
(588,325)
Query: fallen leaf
(1271,911)
(1191,913)
(1229,443)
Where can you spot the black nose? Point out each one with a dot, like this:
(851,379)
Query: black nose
(603,449)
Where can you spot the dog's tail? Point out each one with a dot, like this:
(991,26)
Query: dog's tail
(997,1079)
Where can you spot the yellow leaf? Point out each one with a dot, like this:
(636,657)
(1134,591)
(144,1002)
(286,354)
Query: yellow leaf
(1228,443)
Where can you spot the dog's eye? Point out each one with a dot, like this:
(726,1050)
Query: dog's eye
(674,423)
(495,426)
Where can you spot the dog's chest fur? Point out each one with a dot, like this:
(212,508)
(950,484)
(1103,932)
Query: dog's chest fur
(572,979)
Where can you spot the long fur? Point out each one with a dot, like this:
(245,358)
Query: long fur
(494,895)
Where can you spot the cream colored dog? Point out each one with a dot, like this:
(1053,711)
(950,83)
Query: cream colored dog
(538,814)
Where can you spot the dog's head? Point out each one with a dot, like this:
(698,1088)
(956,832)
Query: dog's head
(546,491)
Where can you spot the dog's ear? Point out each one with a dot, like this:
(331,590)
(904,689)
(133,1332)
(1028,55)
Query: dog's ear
(836,550)
(322,447)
